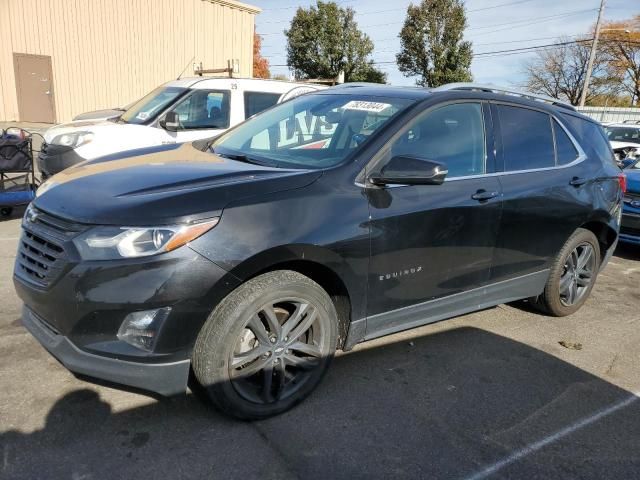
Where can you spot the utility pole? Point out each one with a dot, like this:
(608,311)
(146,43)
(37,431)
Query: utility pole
(592,55)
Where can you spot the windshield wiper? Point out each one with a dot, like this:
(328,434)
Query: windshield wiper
(240,157)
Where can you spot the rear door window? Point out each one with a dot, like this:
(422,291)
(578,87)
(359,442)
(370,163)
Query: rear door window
(527,139)
(565,150)
(256,102)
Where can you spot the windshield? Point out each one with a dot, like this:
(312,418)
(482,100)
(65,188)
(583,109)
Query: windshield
(623,134)
(149,106)
(310,131)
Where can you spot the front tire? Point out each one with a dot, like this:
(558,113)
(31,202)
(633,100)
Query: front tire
(266,346)
(572,275)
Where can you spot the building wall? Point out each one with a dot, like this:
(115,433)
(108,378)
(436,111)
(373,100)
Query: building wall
(107,53)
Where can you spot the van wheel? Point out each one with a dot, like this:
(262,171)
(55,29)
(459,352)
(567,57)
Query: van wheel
(572,276)
(266,346)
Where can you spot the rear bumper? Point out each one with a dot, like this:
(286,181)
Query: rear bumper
(163,378)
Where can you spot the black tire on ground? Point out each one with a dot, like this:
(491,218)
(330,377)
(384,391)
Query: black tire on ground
(266,346)
(6,211)
(573,274)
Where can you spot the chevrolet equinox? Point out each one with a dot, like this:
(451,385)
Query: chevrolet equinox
(243,262)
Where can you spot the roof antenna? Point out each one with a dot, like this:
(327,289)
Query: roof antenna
(186,66)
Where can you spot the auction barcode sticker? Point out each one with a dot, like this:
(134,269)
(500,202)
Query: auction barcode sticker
(366,106)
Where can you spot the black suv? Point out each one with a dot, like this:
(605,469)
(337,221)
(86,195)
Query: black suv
(328,220)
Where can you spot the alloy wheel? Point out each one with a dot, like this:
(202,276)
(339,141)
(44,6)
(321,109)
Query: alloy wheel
(277,351)
(577,274)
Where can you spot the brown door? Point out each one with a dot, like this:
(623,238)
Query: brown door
(34,85)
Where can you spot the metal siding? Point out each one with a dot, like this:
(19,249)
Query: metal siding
(107,53)
(611,114)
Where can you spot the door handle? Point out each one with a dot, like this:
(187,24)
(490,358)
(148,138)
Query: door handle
(483,195)
(577,182)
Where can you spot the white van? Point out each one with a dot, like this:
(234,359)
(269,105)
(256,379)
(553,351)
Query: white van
(178,111)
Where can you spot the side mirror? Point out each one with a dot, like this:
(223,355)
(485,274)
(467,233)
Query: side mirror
(170,122)
(405,170)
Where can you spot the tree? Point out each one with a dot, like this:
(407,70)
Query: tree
(431,44)
(560,71)
(324,40)
(260,64)
(620,43)
(369,73)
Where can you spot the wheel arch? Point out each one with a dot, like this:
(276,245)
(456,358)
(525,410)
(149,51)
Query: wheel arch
(605,234)
(323,266)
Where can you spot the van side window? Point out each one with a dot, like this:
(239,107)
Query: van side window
(204,109)
(565,150)
(452,134)
(527,140)
(256,102)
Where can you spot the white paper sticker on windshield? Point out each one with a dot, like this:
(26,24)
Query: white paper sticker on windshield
(142,116)
(376,107)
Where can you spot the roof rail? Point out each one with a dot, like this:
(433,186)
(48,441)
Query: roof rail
(507,91)
(635,122)
(356,84)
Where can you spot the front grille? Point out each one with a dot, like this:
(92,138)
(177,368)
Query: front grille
(41,257)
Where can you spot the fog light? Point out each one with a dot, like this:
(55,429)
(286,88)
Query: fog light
(141,329)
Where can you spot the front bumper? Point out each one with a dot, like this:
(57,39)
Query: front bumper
(75,308)
(53,159)
(163,378)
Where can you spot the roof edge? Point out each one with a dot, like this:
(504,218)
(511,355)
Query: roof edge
(235,4)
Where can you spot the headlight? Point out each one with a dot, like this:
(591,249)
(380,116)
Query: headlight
(73,140)
(108,243)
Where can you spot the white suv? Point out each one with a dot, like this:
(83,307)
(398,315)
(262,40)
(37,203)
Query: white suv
(176,112)
(624,139)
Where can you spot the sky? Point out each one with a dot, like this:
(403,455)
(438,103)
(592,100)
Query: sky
(493,25)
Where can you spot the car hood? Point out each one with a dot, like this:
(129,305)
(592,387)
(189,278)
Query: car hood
(76,126)
(160,185)
(99,114)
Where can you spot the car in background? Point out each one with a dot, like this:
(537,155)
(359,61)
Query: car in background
(630,226)
(624,139)
(176,112)
(104,114)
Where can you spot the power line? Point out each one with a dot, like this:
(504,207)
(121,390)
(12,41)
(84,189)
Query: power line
(498,53)
(397,8)
(515,23)
(339,2)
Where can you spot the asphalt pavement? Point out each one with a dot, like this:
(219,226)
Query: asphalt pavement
(502,393)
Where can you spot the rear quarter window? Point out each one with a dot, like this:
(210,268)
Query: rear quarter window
(590,136)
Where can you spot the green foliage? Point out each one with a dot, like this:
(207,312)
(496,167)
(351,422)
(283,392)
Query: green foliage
(432,45)
(325,40)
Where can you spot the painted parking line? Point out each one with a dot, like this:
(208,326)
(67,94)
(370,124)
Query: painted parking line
(554,437)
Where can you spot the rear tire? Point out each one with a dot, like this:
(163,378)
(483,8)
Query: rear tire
(573,274)
(266,346)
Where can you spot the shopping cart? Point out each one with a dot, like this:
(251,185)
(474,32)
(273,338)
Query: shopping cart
(18,182)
